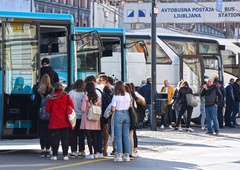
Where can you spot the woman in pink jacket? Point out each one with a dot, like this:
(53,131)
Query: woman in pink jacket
(90,126)
(56,106)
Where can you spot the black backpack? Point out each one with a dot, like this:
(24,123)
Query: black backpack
(43,115)
(106,100)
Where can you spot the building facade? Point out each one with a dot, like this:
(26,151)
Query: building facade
(80,9)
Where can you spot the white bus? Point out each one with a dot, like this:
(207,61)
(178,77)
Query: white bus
(178,57)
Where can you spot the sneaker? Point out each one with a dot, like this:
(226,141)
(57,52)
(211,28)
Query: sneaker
(81,154)
(73,154)
(203,128)
(47,154)
(91,156)
(170,127)
(130,156)
(98,155)
(189,130)
(217,133)
(53,158)
(114,152)
(209,133)
(105,154)
(176,128)
(180,129)
(162,126)
(126,158)
(118,158)
(42,154)
(135,154)
(65,158)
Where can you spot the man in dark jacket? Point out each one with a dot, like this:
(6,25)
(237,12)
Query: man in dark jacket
(219,84)
(236,93)
(146,91)
(47,69)
(213,98)
(229,103)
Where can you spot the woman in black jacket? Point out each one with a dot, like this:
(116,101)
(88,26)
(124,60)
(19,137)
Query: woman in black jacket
(185,89)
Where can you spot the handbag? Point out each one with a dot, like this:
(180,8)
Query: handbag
(94,112)
(72,117)
(133,118)
(191,100)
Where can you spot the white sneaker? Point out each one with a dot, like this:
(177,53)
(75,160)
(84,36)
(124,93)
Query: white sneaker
(203,128)
(189,130)
(162,126)
(126,158)
(65,158)
(170,127)
(135,154)
(53,158)
(98,155)
(118,158)
(91,156)
(180,129)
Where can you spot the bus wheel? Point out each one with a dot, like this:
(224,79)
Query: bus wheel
(197,120)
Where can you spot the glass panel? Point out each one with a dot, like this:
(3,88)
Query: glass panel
(192,73)
(209,48)
(228,57)
(182,47)
(20,52)
(54,47)
(87,51)
(211,67)
(161,56)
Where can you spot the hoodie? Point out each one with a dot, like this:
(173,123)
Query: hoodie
(57,105)
(52,74)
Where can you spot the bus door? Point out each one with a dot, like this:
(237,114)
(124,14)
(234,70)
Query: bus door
(19,57)
(212,67)
(88,51)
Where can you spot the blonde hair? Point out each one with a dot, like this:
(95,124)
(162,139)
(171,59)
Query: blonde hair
(45,83)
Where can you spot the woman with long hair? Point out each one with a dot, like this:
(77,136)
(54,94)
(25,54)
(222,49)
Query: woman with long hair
(120,104)
(57,106)
(185,89)
(91,127)
(44,89)
(77,135)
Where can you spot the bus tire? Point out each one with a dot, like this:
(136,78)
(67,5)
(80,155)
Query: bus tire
(197,120)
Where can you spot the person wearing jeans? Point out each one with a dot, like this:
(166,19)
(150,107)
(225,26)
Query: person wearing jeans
(121,102)
(213,98)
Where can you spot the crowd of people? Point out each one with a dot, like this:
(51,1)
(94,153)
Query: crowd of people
(118,99)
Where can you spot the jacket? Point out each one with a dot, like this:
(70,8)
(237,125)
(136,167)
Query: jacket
(182,94)
(52,74)
(57,105)
(146,91)
(212,96)
(236,94)
(229,93)
(170,93)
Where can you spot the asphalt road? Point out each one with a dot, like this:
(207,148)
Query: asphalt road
(162,149)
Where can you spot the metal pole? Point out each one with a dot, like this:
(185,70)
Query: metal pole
(78,24)
(153,76)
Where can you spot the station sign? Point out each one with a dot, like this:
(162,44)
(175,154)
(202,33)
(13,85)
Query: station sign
(205,12)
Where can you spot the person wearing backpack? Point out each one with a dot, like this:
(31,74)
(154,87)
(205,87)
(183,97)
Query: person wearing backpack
(105,100)
(44,89)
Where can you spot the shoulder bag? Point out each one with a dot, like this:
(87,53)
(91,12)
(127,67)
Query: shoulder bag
(191,100)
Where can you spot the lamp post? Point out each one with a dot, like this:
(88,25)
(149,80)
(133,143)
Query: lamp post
(153,42)
(78,17)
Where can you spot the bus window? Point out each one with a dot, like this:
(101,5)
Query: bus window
(208,48)
(182,47)
(211,67)
(161,56)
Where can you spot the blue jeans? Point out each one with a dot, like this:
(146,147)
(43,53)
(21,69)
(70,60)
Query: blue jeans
(235,112)
(203,116)
(121,130)
(211,115)
(149,107)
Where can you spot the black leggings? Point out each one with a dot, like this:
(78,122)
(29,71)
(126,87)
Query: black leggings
(135,139)
(57,135)
(91,140)
(183,107)
(77,138)
(45,137)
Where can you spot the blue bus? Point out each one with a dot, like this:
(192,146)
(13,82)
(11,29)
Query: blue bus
(109,57)
(26,38)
